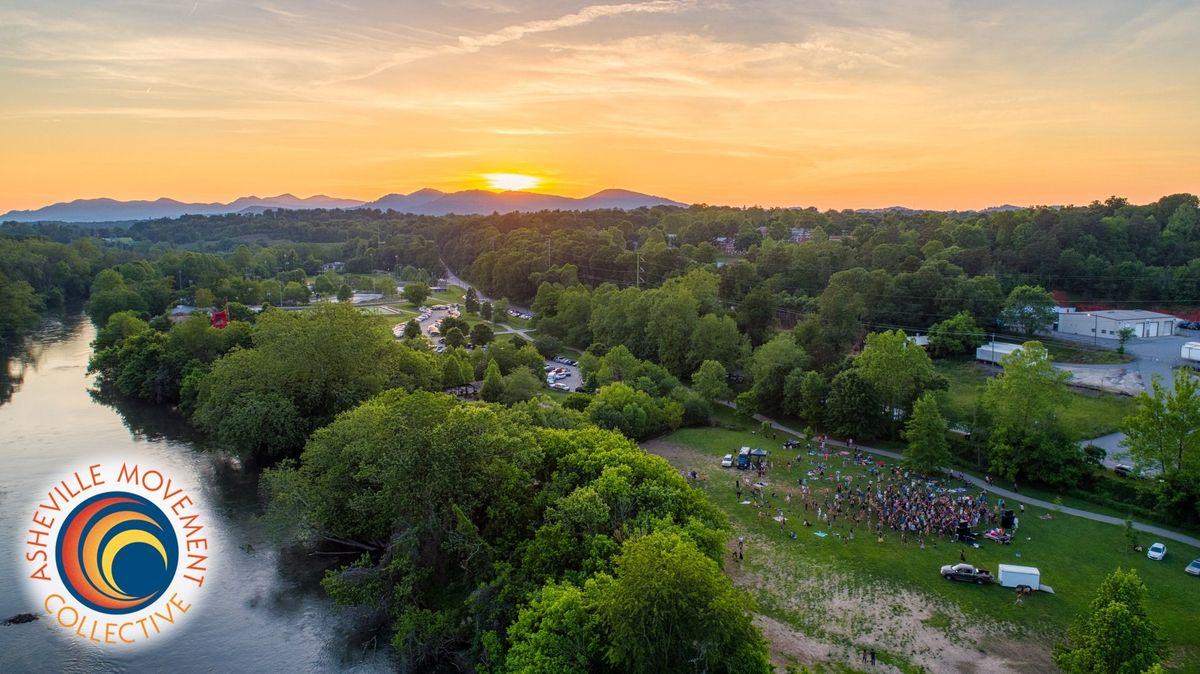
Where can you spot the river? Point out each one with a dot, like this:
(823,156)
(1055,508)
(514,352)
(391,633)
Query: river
(263,610)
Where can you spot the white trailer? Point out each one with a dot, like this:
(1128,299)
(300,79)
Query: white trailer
(1015,576)
(992,352)
(1190,352)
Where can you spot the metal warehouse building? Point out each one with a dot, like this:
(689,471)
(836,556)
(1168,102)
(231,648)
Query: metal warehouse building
(1106,324)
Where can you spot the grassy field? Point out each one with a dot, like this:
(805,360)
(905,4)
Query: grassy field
(1073,554)
(1070,352)
(1089,414)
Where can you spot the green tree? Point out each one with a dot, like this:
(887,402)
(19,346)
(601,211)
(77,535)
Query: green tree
(622,408)
(804,396)
(500,310)
(770,365)
(412,329)
(455,338)
(1029,309)
(712,381)
(853,407)
(471,301)
(1023,402)
(547,345)
(756,315)
(717,338)
(492,388)
(296,293)
(1114,636)
(485,311)
(481,334)
(416,293)
(344,293)
(670,604)
(519,385)
(1123,336)
(928,450)
(561,630)
(1164,432)
(897,369)
(957,335)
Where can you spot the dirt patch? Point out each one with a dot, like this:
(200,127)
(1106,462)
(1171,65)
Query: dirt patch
(1122,380)
(814,613)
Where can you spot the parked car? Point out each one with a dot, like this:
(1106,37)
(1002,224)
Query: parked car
(560,387)
(1157,552)
(791,444)
(966,573)
(727,462)
(1193,569)
(1122,470)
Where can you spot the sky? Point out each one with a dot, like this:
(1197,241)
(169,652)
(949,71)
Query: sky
(826,103)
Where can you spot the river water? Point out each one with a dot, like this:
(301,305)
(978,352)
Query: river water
(262,609)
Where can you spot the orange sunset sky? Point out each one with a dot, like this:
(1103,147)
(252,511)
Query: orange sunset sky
(934,104)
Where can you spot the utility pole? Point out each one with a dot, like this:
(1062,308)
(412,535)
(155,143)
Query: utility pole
(638,257)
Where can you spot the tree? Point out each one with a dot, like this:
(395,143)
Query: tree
(1164,432)
(547,345)
(471,301)
(853,407)
(485,311)
(928,450)
(770,365)
(1029,309)
(296,293)
(416,293)
(897,369)
(717,338)
(1114,636)
(712,381)
(519,385)
(669,604)
(955,335)
(500,310)
(804,395)
(1023,402)
(1123,336)
(623,408)
(756,315)
(19,307)
(412,329)
(492,388)
(455,338)
(344,293)
(481,334)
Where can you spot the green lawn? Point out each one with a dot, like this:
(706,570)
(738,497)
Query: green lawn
(1073,554)
(1070,352)
(1088,415)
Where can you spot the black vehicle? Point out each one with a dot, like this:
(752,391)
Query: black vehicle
(966,573)
(791,444)
(583,389)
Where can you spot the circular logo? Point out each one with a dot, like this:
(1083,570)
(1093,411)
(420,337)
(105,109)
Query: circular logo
(117,553)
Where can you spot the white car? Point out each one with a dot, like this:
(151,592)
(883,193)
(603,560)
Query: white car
(727,461)
(1157,551)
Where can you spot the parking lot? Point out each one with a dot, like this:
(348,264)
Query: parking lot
(573,378)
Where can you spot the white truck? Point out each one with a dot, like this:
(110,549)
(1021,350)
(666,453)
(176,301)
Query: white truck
(1016,576)
(1190,353)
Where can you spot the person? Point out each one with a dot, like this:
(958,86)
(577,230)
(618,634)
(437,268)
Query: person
(872,657)
(962,556)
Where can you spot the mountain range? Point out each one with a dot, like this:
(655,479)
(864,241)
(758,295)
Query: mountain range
(422,202)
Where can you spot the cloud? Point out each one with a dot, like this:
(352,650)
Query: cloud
(469,44)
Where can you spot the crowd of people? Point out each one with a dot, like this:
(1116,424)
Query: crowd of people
(877,497)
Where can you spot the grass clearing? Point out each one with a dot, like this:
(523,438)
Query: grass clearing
(1089,414)
(807,579)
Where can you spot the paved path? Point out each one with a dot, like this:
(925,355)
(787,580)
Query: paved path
(1008,494)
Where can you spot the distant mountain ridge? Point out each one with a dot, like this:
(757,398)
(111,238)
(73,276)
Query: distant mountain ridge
(422,202)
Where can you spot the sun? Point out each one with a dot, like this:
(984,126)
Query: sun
(511,181)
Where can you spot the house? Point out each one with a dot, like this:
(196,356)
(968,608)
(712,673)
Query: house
(332,266)
(1108,324)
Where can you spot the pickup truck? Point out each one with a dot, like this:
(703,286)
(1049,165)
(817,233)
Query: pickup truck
(967,573)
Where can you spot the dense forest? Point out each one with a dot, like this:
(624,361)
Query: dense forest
(527,532)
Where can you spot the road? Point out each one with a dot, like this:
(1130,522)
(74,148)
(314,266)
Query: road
(1011,495)
(1154,357)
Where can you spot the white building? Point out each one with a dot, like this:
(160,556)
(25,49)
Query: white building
(1108,324)
(992,352)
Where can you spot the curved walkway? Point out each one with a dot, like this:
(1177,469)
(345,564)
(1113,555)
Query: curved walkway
(1008,494)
